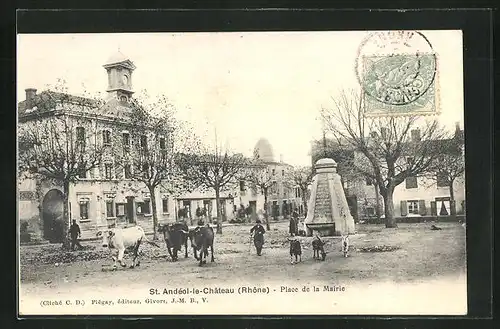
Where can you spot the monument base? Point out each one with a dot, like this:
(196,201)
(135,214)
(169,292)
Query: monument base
(323,229)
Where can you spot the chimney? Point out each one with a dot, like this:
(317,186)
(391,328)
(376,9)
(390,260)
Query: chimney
(415,135)
(30,96)
(281,158)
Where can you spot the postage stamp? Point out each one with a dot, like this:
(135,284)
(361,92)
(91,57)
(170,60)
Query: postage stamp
(397,71)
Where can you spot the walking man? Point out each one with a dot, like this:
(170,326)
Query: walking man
(258,236)
(75,233)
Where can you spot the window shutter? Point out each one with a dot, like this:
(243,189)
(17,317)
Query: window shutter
(404,208)
(421,208)
(433,208)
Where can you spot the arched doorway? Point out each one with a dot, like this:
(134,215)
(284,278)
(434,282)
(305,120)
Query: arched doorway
(52,216)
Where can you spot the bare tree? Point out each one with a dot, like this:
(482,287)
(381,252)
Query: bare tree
(217,171)
(301,177)
(258,175)
(57,138)
(147,152)
(389,150)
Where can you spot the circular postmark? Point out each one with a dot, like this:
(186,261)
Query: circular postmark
(395,67)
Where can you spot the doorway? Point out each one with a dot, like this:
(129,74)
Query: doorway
(53,216)
(130,210)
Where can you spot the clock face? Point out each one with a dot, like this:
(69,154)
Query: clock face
(125,79)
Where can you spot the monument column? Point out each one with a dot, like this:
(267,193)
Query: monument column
(328,212)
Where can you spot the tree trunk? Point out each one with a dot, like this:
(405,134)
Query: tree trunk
(153,210)
(377,200)
(266,213)
(66,219)
(390,220)
(304,200)
(217,207)
(452,193)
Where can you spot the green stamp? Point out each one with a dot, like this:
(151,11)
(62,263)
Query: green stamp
(397,72)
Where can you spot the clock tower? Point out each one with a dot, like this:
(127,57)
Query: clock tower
(119,69)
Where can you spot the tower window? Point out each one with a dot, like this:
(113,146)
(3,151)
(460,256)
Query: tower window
(126,139)
(80,134)
(106,137)
(108,171)
(128,171)
(143,141)
(123,98)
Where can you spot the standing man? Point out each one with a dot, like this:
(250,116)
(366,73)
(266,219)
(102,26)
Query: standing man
(75,233)
(258,236)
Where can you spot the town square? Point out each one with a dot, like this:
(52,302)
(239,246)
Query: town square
(242,163)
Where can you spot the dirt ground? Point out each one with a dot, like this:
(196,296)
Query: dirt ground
(423,254)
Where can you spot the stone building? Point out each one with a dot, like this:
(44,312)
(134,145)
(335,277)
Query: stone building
(105,196)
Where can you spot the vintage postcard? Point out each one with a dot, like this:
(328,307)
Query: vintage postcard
(241,173)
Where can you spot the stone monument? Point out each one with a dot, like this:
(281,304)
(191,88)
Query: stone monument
(328,212)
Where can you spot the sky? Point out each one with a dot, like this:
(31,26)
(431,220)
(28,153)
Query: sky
(243,85)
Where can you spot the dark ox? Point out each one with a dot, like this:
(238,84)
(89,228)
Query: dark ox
(124,239)
(202,238)
(175,237)
(318,247)
(295,250)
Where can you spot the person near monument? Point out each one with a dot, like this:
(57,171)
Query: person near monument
(292,228)
(258,236)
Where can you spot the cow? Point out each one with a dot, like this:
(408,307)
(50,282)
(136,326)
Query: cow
(124,239)
(201,239)
(295,250)
(318,247)
(175,238)
(345,245)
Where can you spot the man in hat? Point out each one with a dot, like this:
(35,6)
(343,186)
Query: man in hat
(258,236)
(74,232)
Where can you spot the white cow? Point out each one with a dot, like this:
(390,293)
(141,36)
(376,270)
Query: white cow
(124,238)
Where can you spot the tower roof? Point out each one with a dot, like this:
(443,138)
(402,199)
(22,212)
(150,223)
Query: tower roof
(264,150)
(119,57)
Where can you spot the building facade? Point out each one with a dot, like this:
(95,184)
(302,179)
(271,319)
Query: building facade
(105,196)
(245,198)
(419,196)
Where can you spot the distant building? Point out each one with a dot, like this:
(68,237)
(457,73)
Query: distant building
(282,199)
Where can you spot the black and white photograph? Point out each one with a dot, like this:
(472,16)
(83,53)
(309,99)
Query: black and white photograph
(238,173)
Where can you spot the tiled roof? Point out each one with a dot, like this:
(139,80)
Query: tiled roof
(46,101)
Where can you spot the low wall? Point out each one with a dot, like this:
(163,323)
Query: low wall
(416,219)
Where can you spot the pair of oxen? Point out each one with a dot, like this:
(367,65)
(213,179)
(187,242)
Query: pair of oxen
(175,236)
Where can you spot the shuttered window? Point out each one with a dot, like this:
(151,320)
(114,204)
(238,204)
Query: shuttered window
(165,205)
(411,182)
(84,208)
(110,209)
(404,208)
(433,208)
(422,208)
(412,207)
